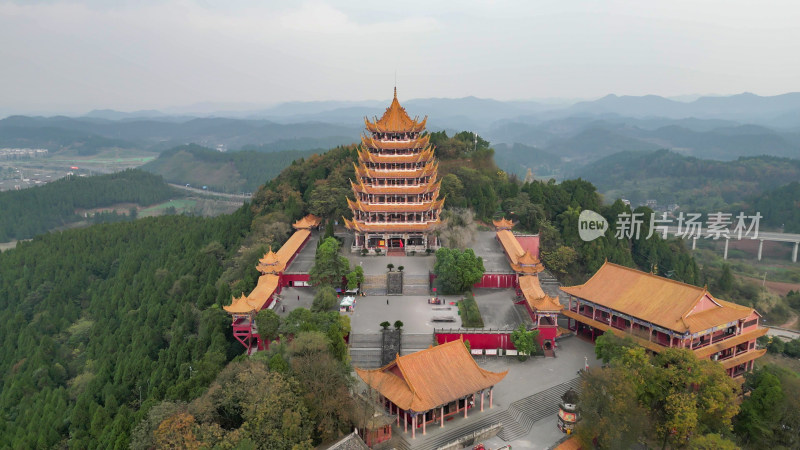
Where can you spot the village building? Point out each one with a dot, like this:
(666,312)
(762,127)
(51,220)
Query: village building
(396,203)
(273,277)
(431,385)
(660,313)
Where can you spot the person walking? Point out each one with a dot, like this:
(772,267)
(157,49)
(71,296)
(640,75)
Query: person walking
(298,298)
(387,302)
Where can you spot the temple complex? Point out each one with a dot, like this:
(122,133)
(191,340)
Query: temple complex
(522,251)
(660,313)
(273,277)
(396,201)
(428,386)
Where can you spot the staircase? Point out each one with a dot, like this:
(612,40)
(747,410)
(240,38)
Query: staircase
(551,286)
(396,252)
(411,343)
(374,284)
(416,284)
(517,420)
(365,350)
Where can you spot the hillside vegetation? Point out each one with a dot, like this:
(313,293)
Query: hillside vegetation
(37,210)
(100,323)
(695,184)
(230,172)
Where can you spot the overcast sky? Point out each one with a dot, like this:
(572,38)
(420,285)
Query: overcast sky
(74,56)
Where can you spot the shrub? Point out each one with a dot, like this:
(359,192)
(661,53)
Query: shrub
(390,266)
(398,324)
(385,325)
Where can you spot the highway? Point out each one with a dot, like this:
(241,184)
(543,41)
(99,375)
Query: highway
(198,191)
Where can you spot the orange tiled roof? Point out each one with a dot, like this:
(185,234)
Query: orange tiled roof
(257,299)
(270,263)
(430,378)
(654,299)
(425,155)
(730,342)
(570,444)
(309,221)
(398,207)
(419,142)
(429,168)
(421,189)
(395,120)
(743,358)
(519,259)
(535,296)
(391,227)
(503,224)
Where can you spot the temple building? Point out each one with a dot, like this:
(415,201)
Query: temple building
(522,250)
(543,309)
(272,267)
(396,201)
(660,313)
(428,386)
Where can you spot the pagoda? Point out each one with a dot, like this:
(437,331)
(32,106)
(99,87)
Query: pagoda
(396,202)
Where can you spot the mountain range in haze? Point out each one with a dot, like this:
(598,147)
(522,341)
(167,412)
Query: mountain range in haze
(722,128)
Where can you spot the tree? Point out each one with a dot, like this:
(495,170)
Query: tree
(390,266)
(355,278)
(329,266)
(526,342)
(611,416)
(457,270)
(385,325)
(268,322)
(325,299)
(560,259)
(398,324)
(608,346)
(400,268)
(711,441)
(726,281)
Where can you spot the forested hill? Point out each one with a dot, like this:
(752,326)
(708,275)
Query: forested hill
(698,184)
(37,210)
(98,324)
(233,172)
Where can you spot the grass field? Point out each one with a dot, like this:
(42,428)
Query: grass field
(180,205)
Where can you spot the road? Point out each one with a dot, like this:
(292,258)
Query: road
(783,332)
(765,235)
(213,193)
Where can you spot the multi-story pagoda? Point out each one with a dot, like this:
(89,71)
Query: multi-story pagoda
(396,205)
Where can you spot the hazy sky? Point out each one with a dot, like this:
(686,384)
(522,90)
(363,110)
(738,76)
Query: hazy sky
(74,56)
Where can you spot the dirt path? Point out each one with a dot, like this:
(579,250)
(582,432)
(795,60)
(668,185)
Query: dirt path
(776,287)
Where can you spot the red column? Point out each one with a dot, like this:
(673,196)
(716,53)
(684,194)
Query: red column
(466,405)
(491,392)
(405,422)
(442,425)
(414,426)
(481,400)
(423,423)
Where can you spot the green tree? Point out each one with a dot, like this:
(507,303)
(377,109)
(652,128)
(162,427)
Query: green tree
(711,441)
(268,322)
(560,259)
(329,266)
(325,299)
(457,270)
(526,342)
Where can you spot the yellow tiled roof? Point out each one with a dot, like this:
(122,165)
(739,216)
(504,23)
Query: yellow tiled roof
(429,378)
(503,224)
(535,296)
(661,301)
(307,222)
(395,120)
(519,259)
(257,299)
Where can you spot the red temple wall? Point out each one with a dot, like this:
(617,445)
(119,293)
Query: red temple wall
(479,340)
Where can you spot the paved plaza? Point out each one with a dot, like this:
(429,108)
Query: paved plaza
(494,258)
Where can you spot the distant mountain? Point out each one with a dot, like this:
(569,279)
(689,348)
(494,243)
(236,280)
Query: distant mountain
(594,143)
(777,111)
(697,185)
(58,133)
(518,158)
(233,172)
